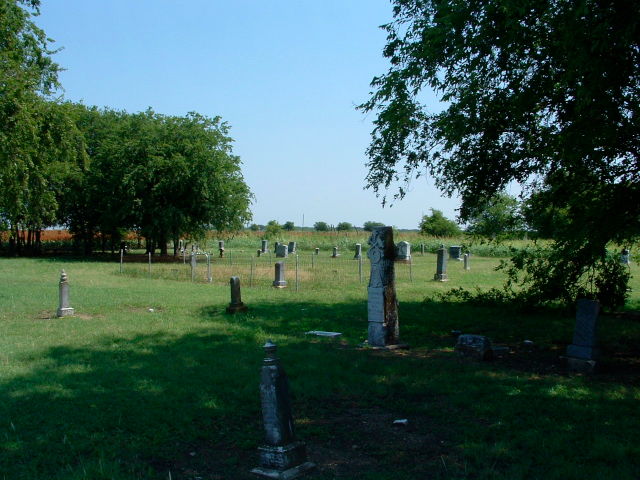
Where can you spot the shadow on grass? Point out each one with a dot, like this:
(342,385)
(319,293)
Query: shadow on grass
(141,407)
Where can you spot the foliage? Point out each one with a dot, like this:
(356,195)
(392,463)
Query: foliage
(288,226)
(542,93)
(437,225)
(254,227)
(321,227)
(370,225)
(497,217)
(273,229)
(344,227)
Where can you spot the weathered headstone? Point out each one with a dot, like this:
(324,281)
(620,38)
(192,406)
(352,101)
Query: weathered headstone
(281,456)
(358,254)
(466,262)
(624,257)
(317,251)
(335,253)
(236,304)
(221,244)
(279,281)
(382,305)
(441,266)
(292,247)
(264,244)
(258,252)
(474,346)
(454,252)
(282,251)
(403,252)
(64,309)
(583,351)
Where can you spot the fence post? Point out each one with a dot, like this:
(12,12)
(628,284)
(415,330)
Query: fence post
(149,263)
(410,271)
(251,273)
(209,277)
(193,266)
(360,268)
(313,264)
(297,276)
(121,258)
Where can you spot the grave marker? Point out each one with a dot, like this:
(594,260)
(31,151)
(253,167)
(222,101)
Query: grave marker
(358,254)
(64,309)
(441,266)
(281,456)
(236,304)
(583,351)
(282,251)
(279,281)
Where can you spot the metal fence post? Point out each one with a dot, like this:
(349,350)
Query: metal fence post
(149,263)
(251,273)
(121,258)
(360,268)
(297,276)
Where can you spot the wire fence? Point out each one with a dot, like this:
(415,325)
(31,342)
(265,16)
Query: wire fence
(302,270)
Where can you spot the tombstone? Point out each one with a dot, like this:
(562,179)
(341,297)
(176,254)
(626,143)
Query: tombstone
(264,244)
(441,266)
(281,456)
(403,252)
(454,252)
(259,252)
(466,262)
(292,247)
(335,253)
(317,251)
(382,304)
(624,257)
(221,252)
(236,304)
(220,244)
(477,347)
(583,352)
(358,254)
(64,309)
(279,281)
(422,249)
(275,247)
(282,251)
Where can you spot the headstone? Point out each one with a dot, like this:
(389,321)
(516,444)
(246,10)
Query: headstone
(221,244)
(221,252)
(454,252)
(264,244)
(64,309)
(281,456)
(259,252)
(236,304)
(279,281)
(282,251)
(317,251)
(358,254)
(275,247)
(335,253)
(624,257)
(292,247)
(382,305)
(466,262)
(422,249)
(403,251)
(441,266)
(583,351)
(474,346)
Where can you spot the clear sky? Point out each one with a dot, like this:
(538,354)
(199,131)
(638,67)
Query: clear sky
(284,74)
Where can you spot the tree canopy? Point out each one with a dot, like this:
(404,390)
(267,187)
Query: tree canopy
(437,225)
(321,226)
(498,217)
(543,93)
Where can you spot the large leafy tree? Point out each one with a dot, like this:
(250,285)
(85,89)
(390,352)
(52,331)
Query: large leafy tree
(541,92)
(498,217)
(437,225)
(38,142)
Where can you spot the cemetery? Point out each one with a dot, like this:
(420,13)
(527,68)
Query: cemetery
(124,374)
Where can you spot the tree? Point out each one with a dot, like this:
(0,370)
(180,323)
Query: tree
(497,217)
(38,143)
(321,227)
(254,227)
(370,225)
(273,229)
(437,225)
(288,226)
(543,93)
(344,227)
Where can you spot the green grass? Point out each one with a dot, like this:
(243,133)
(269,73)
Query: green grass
(119,392)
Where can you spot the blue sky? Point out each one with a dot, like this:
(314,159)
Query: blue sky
(285,75)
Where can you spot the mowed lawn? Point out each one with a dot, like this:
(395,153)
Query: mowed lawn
(151,379)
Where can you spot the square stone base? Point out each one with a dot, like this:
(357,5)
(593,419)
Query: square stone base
(284,474)
(65,312)
(237,308)
(287,461)
(580,365)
